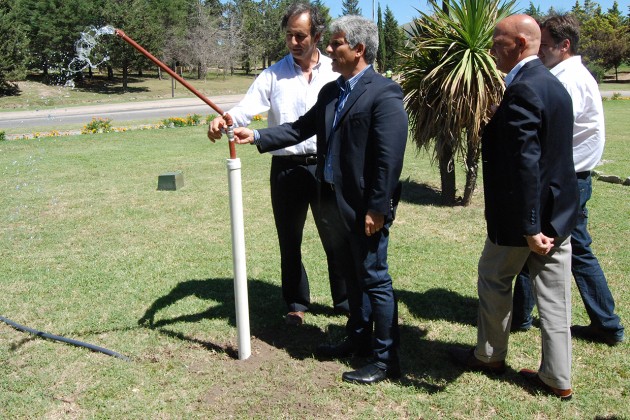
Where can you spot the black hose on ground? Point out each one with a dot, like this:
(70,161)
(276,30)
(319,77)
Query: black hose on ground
(64,339)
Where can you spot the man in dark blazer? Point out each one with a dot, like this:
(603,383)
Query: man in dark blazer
(361,127)
(531,194)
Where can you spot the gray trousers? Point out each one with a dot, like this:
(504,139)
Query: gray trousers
(551,279)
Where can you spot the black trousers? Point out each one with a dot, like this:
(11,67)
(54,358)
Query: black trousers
(293,190)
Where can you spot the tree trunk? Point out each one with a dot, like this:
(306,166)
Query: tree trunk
(110,73)
(447,176)
(125,69)
(472,170)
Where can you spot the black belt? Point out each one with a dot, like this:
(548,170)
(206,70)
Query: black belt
(583,175)
(299,159)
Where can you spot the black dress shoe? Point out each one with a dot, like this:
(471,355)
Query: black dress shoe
(466,357)
(595,334)
(372,373)
(342,350)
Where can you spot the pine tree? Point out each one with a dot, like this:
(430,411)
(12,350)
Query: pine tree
(380,55)
(350,7)
(393,39)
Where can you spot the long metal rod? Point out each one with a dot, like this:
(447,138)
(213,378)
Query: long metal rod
(226,116)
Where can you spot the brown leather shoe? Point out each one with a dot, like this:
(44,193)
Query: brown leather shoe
(533,378)
(295,318)
(466,357)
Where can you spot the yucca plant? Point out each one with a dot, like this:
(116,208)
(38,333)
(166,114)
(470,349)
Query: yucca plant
(450,83)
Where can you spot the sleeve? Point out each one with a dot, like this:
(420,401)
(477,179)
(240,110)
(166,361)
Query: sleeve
(389,140)
(524,115)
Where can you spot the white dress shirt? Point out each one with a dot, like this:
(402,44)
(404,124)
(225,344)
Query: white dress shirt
(283,90)
(588,111)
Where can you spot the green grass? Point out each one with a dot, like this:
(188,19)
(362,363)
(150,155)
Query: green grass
(88,247)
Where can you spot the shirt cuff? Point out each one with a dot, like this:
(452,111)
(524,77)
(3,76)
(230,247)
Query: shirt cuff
(256,138)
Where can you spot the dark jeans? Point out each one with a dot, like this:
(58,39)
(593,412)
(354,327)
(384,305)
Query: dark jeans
(293,190)
(373,317)
(588,274)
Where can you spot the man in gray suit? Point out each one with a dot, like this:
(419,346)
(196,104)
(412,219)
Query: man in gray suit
(531,207)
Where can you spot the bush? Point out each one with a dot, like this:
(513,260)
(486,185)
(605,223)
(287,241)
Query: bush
(3,136)
(210,117)
(98,125)
(189,120)
(597,71)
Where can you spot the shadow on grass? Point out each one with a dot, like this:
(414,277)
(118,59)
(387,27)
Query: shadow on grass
(421,194)
(266,313)
(440,304)
(426,364)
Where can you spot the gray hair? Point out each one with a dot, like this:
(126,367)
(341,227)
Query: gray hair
(358,30)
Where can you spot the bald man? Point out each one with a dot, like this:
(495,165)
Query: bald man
(531,197)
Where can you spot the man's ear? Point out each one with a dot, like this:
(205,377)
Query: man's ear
(359,50)
(521,41)
(565,45)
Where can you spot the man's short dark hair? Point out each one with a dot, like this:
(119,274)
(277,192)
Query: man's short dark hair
(562,27)
(318,24)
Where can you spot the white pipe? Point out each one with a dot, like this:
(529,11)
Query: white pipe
(238,256)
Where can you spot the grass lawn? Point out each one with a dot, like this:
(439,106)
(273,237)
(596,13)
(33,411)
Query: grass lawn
(89,247)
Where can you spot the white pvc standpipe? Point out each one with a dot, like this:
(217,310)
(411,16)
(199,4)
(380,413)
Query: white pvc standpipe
(238,256)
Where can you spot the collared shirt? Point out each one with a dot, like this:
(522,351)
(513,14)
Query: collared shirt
(345,88)
(588,111)
(283,90)
(510,76)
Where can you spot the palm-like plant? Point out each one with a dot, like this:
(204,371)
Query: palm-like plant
(450,83)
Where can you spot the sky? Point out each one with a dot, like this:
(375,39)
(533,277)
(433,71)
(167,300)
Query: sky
(405,10)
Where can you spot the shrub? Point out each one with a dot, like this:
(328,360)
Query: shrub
(3,136)
(257,117)
(98,125)
(597,71)
(189,120)
(210,117)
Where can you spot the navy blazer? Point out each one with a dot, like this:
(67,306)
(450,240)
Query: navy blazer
(529,179)
(368,141)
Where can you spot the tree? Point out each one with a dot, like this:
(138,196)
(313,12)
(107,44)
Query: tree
(535,12)
(325,12)
(393,38)
(606,40)
(350,7)
(12,45)
(52,27)
(450,82)
(380,55)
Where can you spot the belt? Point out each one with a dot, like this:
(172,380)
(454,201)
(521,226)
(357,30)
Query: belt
(583,175)
(299,159)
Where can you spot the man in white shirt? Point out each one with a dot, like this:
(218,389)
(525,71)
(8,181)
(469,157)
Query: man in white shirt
(558,49)
(286,90)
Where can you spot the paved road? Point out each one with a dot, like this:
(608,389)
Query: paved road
(132,111)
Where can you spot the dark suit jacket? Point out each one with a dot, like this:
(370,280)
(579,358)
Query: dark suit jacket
(368,145)
(528,175)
